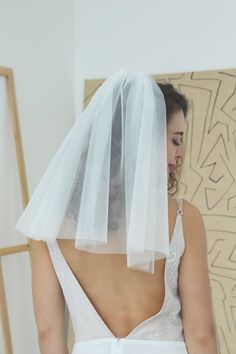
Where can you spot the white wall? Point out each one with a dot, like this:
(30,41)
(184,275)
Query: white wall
(36,40)
(157,36)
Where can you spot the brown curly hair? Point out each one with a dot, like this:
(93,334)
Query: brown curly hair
(175,102)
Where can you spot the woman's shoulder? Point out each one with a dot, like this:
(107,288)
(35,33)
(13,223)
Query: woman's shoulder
(190,209)
(193,225)
(191,212)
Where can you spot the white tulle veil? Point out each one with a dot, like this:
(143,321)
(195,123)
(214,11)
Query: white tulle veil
(106,186)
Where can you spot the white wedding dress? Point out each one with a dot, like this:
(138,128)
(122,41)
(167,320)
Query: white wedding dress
(161,333)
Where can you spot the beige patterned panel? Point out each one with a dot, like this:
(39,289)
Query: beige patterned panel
(208,180)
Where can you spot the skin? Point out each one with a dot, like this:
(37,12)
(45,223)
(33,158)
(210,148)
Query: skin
(135,295)
(175,131)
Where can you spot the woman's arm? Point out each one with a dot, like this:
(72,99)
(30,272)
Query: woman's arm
(194,287)
(48,301)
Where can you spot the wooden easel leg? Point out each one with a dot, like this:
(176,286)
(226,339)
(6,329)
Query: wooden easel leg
(4,316)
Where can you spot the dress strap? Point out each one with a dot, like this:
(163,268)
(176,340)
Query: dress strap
(179,202)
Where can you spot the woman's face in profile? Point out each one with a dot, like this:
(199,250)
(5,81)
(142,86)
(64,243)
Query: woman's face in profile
(175,131)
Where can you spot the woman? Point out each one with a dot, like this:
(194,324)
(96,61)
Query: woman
(137,280)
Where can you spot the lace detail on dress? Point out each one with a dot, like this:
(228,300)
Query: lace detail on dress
(88,325)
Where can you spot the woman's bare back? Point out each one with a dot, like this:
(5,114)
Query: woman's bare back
(123,297)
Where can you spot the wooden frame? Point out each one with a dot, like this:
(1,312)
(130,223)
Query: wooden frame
(8,74)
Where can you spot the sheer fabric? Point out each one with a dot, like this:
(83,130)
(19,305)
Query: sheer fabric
(106,186)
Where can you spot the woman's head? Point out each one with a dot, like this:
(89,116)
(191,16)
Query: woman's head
(176,111)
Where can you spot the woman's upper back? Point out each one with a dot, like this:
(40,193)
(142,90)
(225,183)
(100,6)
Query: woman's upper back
(123,297)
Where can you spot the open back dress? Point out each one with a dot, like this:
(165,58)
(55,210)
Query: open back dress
(161,333)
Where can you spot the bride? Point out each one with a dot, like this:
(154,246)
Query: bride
(109,237)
